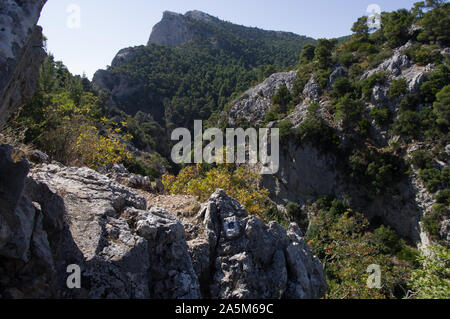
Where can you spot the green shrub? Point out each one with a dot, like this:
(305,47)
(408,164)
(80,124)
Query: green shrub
(295,212)
(323,53)
(432,220)
(346,59)
(341,87)
(282,98)
(341,239)
(355,71)
(431,279)
(303,76)
(381,115)
(443,197)
(409,254)
(409,103)
(364,126)
(422,55)
(435,83)
(436,24)
(395,26)
(442,108)
(316,130)
(398,88)
(322,77)
(348,110)
(273,214)
(388,240)
(422,159)
(307,54)
(379,171)
(408,125)
(285,130)
(435,179)
(136,166)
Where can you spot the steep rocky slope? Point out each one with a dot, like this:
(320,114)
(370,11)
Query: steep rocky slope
(307,172)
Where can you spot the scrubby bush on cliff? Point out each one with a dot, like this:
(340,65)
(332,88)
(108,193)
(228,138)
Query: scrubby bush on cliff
(65,120)
(432,279)
(342,241)
(315,129)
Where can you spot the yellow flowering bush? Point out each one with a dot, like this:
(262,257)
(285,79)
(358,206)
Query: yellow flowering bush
(240,183)
(96,150)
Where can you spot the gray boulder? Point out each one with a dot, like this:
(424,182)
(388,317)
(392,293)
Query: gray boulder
(250,259)
(312,90)
(338,72)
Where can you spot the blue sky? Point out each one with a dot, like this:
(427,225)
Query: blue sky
(106,26)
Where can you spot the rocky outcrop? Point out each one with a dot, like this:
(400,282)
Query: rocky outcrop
(56,217)
(338,72)
(312,90)
(253,105)
(241,257)
(172,30)
(21,53)
(121,175)
(396,67)
(176,29)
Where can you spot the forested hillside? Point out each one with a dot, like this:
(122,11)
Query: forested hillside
(194,80)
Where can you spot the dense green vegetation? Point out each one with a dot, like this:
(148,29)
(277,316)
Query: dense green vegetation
(66,120)
(198,79)
(343,241)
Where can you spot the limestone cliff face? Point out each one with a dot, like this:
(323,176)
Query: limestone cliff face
(176,29)
(172,30)
(21,53)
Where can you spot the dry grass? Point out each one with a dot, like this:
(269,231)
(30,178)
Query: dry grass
(15,138)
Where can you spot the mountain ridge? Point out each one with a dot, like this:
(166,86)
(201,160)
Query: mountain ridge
(176,29)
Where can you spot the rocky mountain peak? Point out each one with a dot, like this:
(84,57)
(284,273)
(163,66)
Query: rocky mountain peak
(172,30)
(176,29)
(199,16)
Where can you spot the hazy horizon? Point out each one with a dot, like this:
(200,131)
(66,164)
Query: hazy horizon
(107,26)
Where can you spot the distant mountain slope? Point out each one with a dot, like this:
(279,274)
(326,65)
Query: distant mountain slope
(193,65)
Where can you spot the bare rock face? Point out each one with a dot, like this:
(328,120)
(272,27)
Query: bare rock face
(176,29)
(398,66)
(21,53)
(172,30)
(242,257)
(123,250)
(253,105)
(312,90)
